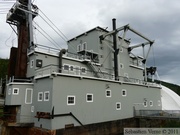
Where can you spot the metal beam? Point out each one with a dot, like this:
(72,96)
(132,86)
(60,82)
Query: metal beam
(141,44)
(13,29)
(27,11)
(102,37)
(145,72)
(110,42)
(124,34)
(139,34)
(148,51)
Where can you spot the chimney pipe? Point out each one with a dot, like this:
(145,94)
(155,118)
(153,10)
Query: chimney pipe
(115,50)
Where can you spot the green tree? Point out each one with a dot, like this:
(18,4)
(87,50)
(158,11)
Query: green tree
(3,67)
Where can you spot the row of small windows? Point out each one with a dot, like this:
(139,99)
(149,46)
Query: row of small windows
(123,92)
(15,91)
(71,100)
(150,103)
(74,68)
(82,47)
(28,94)
(46,95)
(89,98)
(38,63)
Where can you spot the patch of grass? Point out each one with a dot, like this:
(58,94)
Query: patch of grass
(172,123)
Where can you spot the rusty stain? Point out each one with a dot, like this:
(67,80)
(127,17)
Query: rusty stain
(12,62)
(106,128)
(21,65)
(45,115)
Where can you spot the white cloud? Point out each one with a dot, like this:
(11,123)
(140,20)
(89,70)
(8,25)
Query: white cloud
(157,19)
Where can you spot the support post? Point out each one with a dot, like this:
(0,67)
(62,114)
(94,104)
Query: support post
(144,62)
(30,27)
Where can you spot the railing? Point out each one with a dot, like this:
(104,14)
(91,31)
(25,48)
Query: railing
(49,69)
(14,79)
(136,63)
(51,50)
(137,81)
(78,56)
(18,6)
(43,48)
(157,113)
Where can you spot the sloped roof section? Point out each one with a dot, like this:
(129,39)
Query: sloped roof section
(96,28)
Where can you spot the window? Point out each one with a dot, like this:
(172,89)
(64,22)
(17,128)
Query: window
(15,91)
(79,48)
(145,103)
(40,96)
(9,91)
(66,67)
(121,49)
(46,96)
(136,81)
(126,75)
(39,63)
(32,63)
(89,97)
(28,96)
(140,62)
(108,93)
(124,93)
(32,108)
(121,66)
(78,70)
(70,100)
(151,103)
(112,77)
(71,68)
(84,46)
(83,70)
(159,103)
(118,106)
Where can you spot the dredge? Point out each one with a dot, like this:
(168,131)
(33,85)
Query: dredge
(99,87)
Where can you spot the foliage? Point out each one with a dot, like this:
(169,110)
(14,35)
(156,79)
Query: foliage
(3,67)
(174,87)
(172,124)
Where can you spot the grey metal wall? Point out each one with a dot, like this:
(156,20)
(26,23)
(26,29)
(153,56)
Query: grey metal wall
(101,109)
(20,99)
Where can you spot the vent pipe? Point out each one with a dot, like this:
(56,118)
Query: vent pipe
(63,51)
(115,50)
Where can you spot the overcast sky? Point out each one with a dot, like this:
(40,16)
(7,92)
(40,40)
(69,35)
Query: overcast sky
(157,19)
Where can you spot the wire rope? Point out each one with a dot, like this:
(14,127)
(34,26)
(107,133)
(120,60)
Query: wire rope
(63,35)
(154,61)
(55,43)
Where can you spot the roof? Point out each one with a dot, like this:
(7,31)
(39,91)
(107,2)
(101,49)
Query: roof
(96,28)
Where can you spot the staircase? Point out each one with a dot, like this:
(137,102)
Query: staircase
(96,69)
